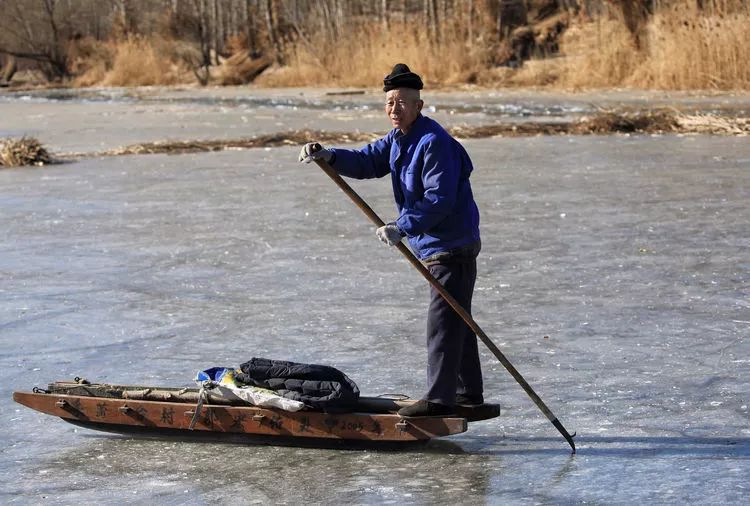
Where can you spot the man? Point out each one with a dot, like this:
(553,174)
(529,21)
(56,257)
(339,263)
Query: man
(437,214)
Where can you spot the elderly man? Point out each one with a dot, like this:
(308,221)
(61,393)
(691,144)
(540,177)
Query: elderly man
(430,173)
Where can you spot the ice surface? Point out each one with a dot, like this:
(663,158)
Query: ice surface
(102,119)
(630,254)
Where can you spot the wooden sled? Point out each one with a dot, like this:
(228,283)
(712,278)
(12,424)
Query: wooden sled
(156,411)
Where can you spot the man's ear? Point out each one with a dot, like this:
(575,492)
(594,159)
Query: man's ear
(420,104)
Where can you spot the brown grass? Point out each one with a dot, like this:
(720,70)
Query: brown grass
(362,54)
(688,51)
(89,60)
(679,47)
(143,61)
(131,61)
(682,48)
(599,54)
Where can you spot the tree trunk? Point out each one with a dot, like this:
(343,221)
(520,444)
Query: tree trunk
(513,14)
(7,72)
(203,73)
(273,36)
(251,26)
(635,14)
(430,14)
(470,20)
(56,64)
(215,35)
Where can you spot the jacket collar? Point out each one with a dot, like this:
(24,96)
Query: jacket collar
(416,126)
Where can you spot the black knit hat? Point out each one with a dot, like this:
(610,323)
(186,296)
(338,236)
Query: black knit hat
(402,77)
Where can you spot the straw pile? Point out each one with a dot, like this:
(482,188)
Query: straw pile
(293,138)
(710,124)
(23,151)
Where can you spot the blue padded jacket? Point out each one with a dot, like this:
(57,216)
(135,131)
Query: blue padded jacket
(430,174)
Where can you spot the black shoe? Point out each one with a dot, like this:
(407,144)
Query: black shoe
(425,408)
(469,401)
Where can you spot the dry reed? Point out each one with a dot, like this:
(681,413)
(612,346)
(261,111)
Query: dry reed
(682,47)
(141,62)
(322,60)
(691,51)
(23,151)
(711,124)
(131,61)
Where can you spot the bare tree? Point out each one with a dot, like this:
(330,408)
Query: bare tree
(43,31)
(203,73)
(272,25)
(8,70)
(22,25)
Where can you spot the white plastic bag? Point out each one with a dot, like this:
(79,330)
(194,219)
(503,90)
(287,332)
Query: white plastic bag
(221,381)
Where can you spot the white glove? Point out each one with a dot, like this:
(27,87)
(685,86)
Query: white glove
(389,234)
(314,151)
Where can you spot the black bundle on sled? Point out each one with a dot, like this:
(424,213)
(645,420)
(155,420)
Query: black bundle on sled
(320,387)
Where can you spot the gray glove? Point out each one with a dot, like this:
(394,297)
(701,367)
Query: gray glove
(314,151)
(389,234)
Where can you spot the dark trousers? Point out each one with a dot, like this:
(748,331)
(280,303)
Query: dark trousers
(452,352)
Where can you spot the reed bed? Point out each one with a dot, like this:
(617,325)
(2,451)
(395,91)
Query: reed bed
(672,45)
(362,54)
(133,61)
(681,48)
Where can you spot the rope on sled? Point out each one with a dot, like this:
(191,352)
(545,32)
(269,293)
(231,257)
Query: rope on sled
(202,397)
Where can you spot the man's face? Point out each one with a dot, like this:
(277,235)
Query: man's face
(402,106)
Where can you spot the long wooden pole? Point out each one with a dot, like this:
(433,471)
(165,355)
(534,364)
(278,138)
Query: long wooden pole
(331,172)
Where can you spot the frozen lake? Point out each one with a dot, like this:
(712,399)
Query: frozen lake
(630,253)
(102,119)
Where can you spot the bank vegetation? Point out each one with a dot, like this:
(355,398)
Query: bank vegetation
(572,44)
